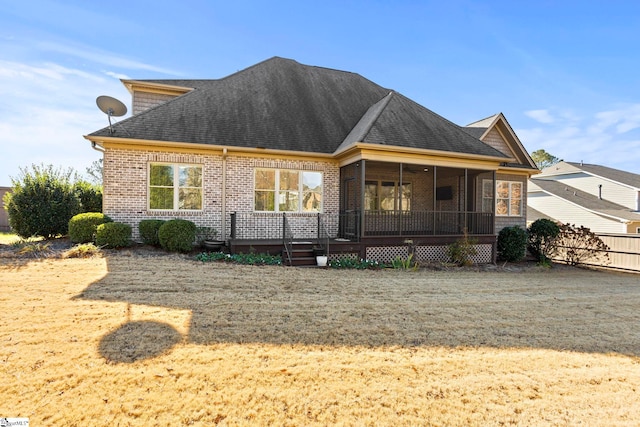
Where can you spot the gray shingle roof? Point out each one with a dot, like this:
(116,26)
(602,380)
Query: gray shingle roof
(585,200)
(283,105)
(617,175)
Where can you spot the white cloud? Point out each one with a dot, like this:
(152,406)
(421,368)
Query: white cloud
(541,116)
(117,75)
(102,57)
(610,137)
(46,110)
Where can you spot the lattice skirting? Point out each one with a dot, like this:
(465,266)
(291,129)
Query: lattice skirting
(334,257)
(484,254)
(386,254)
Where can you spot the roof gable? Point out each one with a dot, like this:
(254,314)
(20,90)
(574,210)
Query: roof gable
(496,131)
(405,123)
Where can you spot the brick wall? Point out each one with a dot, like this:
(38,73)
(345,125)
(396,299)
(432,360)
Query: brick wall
(126,186)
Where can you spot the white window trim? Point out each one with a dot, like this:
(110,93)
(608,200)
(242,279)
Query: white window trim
(508,214)
(176,187)
(277,190)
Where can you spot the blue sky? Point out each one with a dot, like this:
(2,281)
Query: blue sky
(565,73)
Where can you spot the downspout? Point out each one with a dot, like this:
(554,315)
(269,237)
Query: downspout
(223,228)
(100,150)
(95,147)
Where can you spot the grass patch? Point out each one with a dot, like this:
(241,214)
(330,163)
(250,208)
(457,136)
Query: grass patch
(127,339)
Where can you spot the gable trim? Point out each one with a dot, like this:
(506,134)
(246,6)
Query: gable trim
(157,88)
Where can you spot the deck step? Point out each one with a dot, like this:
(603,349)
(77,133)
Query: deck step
(302,256)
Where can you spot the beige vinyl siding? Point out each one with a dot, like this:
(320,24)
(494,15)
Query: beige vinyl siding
(611,191)
(144,100)
(567,212)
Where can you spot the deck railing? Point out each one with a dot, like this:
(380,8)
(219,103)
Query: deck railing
(353,225)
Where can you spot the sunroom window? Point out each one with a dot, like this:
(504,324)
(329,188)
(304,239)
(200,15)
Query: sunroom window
(175,187)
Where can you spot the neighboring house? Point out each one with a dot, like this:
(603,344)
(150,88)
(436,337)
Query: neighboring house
(282,151)
(4,215)
(603,199)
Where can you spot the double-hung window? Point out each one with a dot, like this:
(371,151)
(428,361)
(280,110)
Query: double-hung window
(508,197)
(175,187)
(386,196)
(287,190)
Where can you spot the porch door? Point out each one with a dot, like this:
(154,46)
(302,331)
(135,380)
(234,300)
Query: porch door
(349,219)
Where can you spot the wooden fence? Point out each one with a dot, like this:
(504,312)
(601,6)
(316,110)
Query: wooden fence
(623,252)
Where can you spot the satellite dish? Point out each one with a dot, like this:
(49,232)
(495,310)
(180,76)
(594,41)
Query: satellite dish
(111,107)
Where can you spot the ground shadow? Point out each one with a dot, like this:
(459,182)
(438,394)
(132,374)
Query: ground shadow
(281,305)
(136,340)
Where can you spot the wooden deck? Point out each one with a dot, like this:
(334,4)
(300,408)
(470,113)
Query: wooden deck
(302,250)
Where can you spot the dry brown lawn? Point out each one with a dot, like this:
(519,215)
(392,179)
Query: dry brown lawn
(138,340)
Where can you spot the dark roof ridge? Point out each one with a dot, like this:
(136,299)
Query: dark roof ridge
(366,122)
(453,124)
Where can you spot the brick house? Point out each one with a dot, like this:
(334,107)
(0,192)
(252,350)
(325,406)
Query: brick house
(282,152)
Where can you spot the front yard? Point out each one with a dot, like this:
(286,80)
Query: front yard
(131,339)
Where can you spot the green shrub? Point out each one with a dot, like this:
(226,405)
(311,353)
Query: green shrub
(251,259)
(542,234)
(82,227)
(113,235)
(512,244)
(90,196)
(41,202)
(148,229)
(355,263)
(177,235)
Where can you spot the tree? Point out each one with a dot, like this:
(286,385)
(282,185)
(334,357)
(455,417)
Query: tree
(95,172)
(543,159)
(42,201)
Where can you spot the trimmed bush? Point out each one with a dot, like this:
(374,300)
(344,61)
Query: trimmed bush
(542,233)
(512,244)
(82,227)
(148,229)
(113,235)
(177,235)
